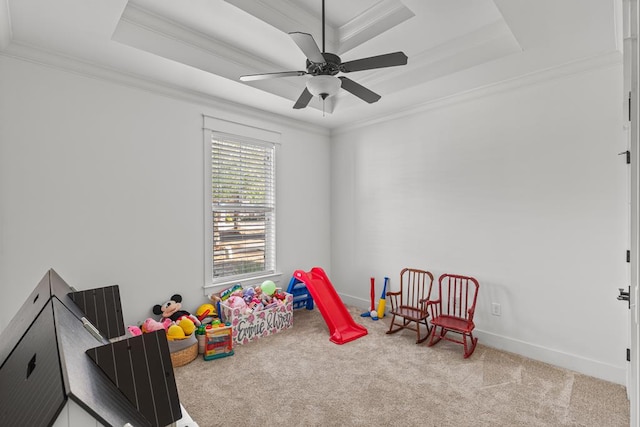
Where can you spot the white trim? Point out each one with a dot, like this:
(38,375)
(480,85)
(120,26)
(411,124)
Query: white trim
(566,70)
(66,63)
(554,357)
(252,281)
(548,355)
(207,236)
(242,130)
(212,126)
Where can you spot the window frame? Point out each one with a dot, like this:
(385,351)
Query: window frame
(241,134)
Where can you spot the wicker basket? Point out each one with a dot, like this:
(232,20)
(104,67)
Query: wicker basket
(184,356)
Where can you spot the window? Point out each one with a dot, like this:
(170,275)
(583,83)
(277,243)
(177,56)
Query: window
(242,216)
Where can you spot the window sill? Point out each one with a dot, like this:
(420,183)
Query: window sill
(249,281)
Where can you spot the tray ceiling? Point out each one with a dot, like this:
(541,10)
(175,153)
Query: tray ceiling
(204,46)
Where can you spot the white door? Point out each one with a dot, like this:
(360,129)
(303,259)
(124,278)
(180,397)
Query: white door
(631,84)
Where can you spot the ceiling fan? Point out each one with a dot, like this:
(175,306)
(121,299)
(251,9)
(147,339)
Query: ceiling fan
(324,66)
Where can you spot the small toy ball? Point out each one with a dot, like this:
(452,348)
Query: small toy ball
(374,315)
(268,287)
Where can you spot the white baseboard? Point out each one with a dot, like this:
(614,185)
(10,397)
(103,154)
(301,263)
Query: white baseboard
(593,368)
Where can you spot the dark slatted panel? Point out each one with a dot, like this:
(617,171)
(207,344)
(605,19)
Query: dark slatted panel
(141,368)
(142,380)
(103,308)
(164,384)
(32,392)
(124,376)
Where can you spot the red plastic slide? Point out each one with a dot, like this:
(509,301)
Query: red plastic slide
(341,325)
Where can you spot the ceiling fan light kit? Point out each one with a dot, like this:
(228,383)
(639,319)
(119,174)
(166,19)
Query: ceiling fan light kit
(324,86)
(324,66)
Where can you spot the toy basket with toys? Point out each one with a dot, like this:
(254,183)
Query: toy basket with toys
(255,312)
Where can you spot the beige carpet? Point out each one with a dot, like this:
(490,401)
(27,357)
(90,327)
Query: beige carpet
(297,377)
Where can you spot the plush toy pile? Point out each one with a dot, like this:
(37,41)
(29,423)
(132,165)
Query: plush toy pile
(251,299)
(178,323)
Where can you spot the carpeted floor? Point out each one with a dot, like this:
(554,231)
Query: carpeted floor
(297,377)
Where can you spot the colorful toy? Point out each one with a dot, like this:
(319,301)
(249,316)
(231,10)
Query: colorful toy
(373,303)
(248,294)
(175,332)
(206,310)
(229,291)
(235,301)
(151,325)
(134,330)
(383,299)
(187,325)
(218,342)
(342,327)
(301,296)
(172,309)
(268,287)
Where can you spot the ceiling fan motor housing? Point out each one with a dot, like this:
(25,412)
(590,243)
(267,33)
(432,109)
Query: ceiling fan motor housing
(330,67)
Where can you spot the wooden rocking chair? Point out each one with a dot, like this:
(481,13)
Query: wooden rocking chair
(453,311)
(409,303)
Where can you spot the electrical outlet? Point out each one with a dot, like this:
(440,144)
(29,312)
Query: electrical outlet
(496,310)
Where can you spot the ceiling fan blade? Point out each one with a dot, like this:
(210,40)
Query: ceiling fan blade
(359,90)
(308,46)
(380,61)
(303,100)
(265,76)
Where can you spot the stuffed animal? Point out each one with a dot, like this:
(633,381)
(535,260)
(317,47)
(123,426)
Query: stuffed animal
(134,330)
(248,294)
(172,310)
(235,301)
(151,325)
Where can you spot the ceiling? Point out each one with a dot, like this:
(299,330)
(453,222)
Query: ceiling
(202,47)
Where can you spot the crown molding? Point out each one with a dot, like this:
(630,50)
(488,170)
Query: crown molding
(374,21)
(139,26)
(166,38)
(223,107)
(287,16)
(488,43)
(604,60)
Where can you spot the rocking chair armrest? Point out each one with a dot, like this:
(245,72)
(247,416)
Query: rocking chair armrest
(394,299)
(434,307)
(431,302)
(471,311)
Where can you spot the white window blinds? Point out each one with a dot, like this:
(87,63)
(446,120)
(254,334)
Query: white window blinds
(243,207)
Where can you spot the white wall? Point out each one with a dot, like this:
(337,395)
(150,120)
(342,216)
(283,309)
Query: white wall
(104,183)
(523,190)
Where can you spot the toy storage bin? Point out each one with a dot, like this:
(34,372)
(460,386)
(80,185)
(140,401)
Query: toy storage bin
(251,326)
